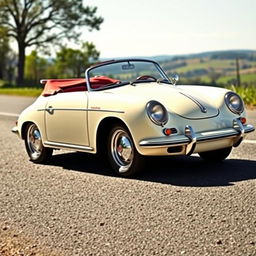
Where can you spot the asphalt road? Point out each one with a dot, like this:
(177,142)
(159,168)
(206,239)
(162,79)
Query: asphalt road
(74,206)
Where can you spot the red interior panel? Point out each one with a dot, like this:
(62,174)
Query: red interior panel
(53,86)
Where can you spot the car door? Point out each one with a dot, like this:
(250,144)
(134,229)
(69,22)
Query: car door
(66,118)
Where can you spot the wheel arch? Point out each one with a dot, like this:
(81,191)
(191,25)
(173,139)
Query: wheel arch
(24,127)
(104,128)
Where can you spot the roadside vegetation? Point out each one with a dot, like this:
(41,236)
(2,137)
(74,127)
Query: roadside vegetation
(25,91)
(248,94)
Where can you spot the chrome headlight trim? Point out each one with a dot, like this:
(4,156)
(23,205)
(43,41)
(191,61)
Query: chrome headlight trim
(157,113)
(234,102)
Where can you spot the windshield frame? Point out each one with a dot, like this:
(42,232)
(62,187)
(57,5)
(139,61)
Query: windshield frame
(110,62)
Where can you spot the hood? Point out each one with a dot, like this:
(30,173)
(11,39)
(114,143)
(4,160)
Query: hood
(180,101)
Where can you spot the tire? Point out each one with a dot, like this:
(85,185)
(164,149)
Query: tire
(122,154)
(34,146)
(216,155)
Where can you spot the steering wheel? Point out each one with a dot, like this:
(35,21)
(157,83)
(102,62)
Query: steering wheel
(146,77)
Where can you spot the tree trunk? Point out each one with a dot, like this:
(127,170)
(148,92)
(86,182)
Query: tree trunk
(238,80)
(1,72)
(21,63)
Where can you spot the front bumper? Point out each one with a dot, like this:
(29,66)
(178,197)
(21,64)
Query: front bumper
(190,140)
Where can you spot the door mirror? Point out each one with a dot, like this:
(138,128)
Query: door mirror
(174,78)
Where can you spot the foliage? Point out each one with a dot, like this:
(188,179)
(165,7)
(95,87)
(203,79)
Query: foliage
(73,62)
(6,59)
(35,68)
(68,63)
(248,94)
(36,22)
(4,48)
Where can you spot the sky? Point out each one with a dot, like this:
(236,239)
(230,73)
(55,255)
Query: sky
(172,27)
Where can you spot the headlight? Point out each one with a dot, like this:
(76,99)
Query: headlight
(234,102)
(157,113)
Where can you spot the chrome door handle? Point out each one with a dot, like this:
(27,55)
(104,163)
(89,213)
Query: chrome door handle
(50,110)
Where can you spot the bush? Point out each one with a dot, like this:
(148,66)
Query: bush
(248,94)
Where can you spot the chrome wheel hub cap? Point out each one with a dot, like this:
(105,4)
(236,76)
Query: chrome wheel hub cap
(34,141)
(122,149)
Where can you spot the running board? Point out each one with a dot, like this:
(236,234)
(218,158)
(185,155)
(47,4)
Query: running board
(67,146)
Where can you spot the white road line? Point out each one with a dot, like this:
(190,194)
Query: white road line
(250,141)
(8,114)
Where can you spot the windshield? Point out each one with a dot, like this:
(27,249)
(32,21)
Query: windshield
(117,73)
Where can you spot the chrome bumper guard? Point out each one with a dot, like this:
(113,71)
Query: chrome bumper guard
(190,138)
(15,130)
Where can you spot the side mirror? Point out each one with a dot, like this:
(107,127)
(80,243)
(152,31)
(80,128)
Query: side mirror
(174,78)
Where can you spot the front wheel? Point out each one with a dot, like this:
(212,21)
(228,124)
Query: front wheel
(122,154)
(216,155)
(34,146)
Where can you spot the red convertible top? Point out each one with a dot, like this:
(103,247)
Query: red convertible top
(54,86)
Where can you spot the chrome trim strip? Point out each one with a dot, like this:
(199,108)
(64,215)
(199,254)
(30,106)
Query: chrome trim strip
(68,146)
(198,118)
(51,110)
(180,140)
(227,97)
(202,108)
(87,76)
(249,128)
(106,110)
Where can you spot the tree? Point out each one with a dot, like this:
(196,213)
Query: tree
(35,67)
(73,62)
(38,23)
(8,58)
(238,80)
(4,49)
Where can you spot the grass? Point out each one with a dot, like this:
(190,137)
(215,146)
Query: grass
(245,78)
(248,94)
(216,64)
(29,92)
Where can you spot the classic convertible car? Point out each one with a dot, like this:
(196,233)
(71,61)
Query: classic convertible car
(129,109)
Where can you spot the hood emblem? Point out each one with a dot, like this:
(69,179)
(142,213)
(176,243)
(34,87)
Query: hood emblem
(200,105)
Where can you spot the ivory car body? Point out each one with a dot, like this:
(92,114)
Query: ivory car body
(129,109)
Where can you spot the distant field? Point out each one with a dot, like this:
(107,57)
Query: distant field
(207,64)
(211,69)
(245,78)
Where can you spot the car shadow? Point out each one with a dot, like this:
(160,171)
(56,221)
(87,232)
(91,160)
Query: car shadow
(179,171)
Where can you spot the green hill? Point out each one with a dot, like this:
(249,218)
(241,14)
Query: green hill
(217,68)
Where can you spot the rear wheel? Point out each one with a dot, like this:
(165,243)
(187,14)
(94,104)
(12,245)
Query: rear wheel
(34,146)
(122,154)
(216,155)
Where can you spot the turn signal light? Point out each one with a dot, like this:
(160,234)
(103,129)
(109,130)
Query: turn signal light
(167,131)
(243,120)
